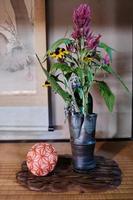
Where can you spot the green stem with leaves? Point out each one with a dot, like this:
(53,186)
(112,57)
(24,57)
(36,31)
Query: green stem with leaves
(56,87)
(72,93)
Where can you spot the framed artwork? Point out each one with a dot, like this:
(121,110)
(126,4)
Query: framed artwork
(23,102)
(17,62)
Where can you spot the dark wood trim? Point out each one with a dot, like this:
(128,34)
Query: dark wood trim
(113,139)
(132,87)
(50,115)
(34,141)
(66,140)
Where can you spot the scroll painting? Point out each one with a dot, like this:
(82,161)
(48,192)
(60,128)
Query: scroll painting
(17,62)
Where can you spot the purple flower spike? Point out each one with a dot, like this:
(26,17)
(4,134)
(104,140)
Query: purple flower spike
(82,16)
(86,31)
(71,48)
(106,59)
(76,34)
(93,41)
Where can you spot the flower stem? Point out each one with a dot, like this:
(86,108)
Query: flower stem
(73,97)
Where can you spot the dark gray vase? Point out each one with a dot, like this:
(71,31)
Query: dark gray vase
(82,134)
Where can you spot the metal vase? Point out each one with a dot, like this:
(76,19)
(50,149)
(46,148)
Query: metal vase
(82,134)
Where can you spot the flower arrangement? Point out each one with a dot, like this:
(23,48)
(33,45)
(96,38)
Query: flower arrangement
(77,62)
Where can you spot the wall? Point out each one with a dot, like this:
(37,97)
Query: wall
(113,20)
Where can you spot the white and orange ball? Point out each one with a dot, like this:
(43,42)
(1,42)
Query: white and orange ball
(41,159)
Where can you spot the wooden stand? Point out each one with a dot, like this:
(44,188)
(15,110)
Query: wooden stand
(106,175)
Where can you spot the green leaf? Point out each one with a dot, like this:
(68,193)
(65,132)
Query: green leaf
(44,70)
(90,75)
(79,72)
(65,83)
(56,78)
(109,69)
(80,91)
(68,75)
(121,81)
(59,42)
(61,66)
(57,88)
(53,81)
(84,52)
(107,94)
(107,48)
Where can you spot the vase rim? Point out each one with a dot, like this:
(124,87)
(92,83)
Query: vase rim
(92,114)
(89,114)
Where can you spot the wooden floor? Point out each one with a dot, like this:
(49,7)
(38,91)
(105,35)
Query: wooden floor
(12,154)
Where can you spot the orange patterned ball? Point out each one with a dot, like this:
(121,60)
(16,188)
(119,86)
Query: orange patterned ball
(41,159)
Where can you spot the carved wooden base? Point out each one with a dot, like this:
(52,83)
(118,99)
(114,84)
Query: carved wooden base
(106,175)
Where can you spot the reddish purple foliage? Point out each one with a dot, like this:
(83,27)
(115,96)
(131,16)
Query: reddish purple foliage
(82,16)
(71,47)
(76,34)
(106,59)
(93,41)
(81,20)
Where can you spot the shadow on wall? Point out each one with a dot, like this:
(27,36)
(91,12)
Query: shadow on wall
(102,12)
(124,10)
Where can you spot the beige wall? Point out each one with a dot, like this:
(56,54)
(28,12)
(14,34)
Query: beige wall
(40,97)
(111,18)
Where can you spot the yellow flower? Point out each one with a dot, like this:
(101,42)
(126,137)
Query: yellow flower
(59,53)
(46,84)
(88,59)
(64,51)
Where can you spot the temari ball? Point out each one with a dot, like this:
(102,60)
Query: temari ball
(41,159)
